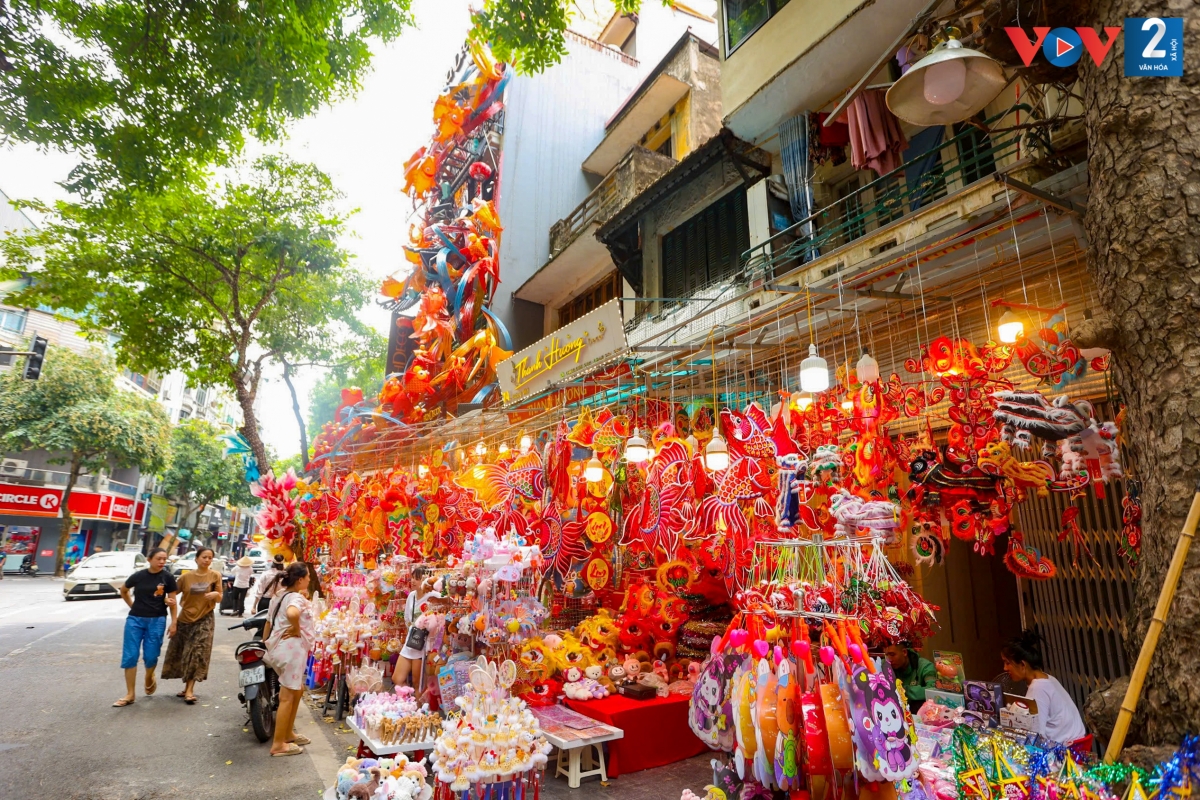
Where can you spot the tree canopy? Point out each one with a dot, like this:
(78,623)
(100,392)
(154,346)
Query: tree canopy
(199,473)
(212,278)
(148,91)
(530,34)
(76,411)
(365,373)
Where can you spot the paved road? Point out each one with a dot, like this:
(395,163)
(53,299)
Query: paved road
(61,738)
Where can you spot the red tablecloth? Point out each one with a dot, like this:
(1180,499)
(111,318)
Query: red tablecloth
(656,731)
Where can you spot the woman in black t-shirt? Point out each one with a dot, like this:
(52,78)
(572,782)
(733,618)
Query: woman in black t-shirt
(153,596)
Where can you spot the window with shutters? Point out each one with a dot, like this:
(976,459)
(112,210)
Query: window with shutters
(707,248)
(591,298)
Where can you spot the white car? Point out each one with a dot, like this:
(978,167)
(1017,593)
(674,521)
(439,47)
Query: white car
(188,564)
(102,574)
(261,558)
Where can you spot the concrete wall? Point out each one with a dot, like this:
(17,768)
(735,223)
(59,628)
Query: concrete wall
(552,122)
(780,41)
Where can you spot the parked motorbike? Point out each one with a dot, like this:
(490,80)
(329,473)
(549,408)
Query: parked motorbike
(29,566)
(259,684)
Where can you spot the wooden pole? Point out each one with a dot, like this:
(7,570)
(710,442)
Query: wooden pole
(1150,644)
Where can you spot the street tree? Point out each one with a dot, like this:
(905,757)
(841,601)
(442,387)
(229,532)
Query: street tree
(367,373)
(77,413)
(147,91)
(199,474)
(216,279)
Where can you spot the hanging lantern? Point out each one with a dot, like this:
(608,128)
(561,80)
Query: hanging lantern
(814,372)
(526,443)
(594,471)
(422,471)
(950,84)
(693,443)
(481,449)
(716,454)
(847,405)
(867,368)
(503,448)
(635,448)
(1011,327)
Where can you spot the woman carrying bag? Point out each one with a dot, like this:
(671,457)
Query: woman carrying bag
(290,635)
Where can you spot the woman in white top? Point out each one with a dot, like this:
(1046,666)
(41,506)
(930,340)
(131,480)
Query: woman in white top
(1057,717)
(410,658)
(243,575)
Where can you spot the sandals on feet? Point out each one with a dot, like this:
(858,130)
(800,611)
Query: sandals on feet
(301,739)
(191,701)
(122,703)
(151,688)
(292,750)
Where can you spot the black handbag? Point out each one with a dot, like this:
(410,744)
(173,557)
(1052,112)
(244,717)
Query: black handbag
(416,638)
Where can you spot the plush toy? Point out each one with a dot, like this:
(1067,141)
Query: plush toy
(633,669)
(573,686)
(570,653)
(617,676)
(537,659)
(595,674)
(660,669)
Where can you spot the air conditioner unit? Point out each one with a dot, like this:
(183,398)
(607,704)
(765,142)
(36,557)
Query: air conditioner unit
(13,467)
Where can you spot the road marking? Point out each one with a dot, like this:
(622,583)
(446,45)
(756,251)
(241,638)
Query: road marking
(20,650)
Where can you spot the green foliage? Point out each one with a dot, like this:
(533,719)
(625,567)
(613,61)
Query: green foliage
(214,279)
(148,90)
(76,411)
(366,373)
(281,466)
(199,473)
(529,34)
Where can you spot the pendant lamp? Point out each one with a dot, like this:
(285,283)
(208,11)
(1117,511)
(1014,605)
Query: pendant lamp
(422,471)
(950,84)
(594,471)
(503,448)
(635,448)
(716,454)
(867,368)
(814,372)
(526,443)
(1011,327)
(803,401)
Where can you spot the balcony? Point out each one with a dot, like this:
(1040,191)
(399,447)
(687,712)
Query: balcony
(577,258)
(692,68)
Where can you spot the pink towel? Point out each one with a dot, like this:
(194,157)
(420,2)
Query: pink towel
(876,140)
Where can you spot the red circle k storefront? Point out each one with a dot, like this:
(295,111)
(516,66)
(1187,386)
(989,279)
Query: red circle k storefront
(31,522)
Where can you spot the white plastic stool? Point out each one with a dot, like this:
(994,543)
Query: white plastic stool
(572,769)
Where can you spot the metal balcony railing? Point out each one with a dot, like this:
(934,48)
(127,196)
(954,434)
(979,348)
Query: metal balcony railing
(633,173)
(915,185)
(51,477)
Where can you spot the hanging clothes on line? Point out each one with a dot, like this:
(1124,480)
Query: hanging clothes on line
(876,140)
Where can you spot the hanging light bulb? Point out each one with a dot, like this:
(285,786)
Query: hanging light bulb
(949,84)
(803,401)
(716,454)
(503,448)
(635,448)
(945,81)
(1011,327)
(422,471)
(814,372)
(594,471)
(693,443)
(526,443)
(867,368)
(847,405)
(481,449)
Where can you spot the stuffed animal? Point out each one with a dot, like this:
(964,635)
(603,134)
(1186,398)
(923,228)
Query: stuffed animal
(570,653)
(573,686)
(660,669)
(633,669)
(595,674)
(537,658)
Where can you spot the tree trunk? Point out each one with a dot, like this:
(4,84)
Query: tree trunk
(64,533)
(1142,223)
(245,398)
(287,378)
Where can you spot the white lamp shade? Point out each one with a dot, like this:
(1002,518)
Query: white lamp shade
(594,471)
(867,368)
(1011,327)
(526,443)
(503,448)
(950,84)
(716,454)
(635,448)
(803,401)
(814,372)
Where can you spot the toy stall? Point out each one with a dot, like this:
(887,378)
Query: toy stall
(604,562)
